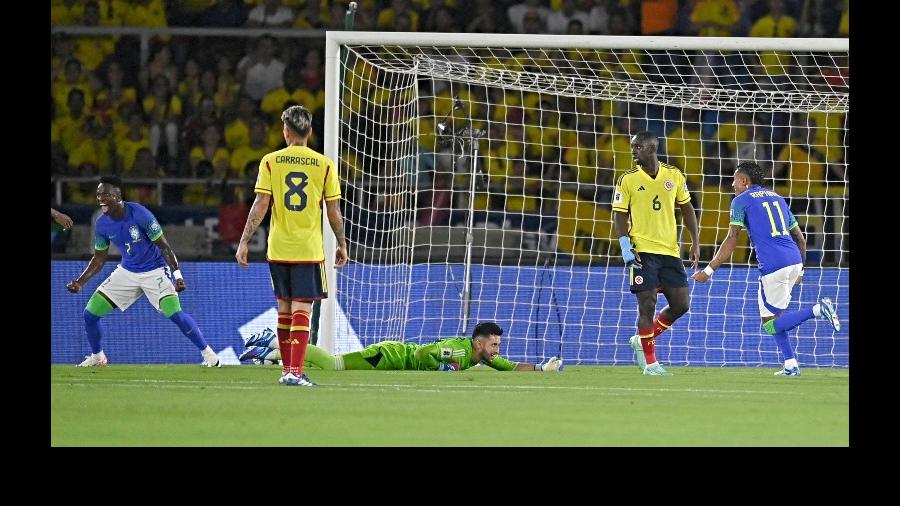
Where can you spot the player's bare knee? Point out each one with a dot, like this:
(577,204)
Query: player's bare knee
(679,309)
(647,305)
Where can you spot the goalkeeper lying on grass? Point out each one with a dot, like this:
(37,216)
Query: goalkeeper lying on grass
(452,354)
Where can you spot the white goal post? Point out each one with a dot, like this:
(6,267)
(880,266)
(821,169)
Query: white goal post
(477,173)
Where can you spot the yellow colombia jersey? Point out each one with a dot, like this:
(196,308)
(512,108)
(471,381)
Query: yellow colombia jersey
(297,178)
(651,202)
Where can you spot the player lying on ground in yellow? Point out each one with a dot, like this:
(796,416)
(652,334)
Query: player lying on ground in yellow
(453,354)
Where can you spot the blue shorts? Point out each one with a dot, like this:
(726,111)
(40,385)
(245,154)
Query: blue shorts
(657,271)
(300,282)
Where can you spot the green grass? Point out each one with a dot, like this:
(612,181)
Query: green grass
(244,406)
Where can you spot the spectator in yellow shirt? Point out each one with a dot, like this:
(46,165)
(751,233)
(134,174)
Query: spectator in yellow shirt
(93,49)
(291,91)
(684,147)
(715,18)
(237,133)
(209,160)
(69,128)
(802,168)
(775,24)
(149,13)
(255,150)
(137,138)
(94,153)
(66,12)
(212,151)
(110,100)
(74,78)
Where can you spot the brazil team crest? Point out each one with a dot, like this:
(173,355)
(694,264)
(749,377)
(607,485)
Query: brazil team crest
(669,185)
(135,234)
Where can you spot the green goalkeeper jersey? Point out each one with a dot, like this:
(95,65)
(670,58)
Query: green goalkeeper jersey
(456,350)
(399,356)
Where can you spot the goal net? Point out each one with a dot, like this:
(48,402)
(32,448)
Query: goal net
(478,173)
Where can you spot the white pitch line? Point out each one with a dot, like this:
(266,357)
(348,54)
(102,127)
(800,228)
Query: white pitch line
(430,388)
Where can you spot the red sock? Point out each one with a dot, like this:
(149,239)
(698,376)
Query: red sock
(660,325)
(284,346)
(648,344)
(299,340)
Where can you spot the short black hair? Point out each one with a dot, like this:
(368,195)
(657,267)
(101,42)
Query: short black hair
(112,181)
(751,170)
(487,329)
(646,136)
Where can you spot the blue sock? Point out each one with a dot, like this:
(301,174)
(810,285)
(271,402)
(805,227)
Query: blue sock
(790,319)
(94,332)
(781,339)
(189,328)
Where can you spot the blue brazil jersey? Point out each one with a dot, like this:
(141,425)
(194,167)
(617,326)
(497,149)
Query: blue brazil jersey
(768,221)
(133,235)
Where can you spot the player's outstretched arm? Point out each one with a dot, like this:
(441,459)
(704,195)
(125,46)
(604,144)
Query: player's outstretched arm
(254,218)
(554,364)
(721,256)
(93,268)
(171,261)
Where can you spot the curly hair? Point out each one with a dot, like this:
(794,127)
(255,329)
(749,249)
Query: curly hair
(752,170)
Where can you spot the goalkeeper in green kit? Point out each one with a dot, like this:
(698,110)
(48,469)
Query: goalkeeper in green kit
(453,354)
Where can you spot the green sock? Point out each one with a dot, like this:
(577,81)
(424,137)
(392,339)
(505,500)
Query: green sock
(319,358)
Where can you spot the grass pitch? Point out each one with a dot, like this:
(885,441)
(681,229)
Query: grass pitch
(189,405)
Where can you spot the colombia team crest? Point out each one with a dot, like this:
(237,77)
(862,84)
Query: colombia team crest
(669,185)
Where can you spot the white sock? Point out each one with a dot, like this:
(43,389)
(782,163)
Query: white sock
(817,311)
(99,355)
(208,352)
(654,363)
(791,363)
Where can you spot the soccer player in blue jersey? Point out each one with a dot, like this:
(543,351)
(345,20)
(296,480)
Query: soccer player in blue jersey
(143,271)
(781,251)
